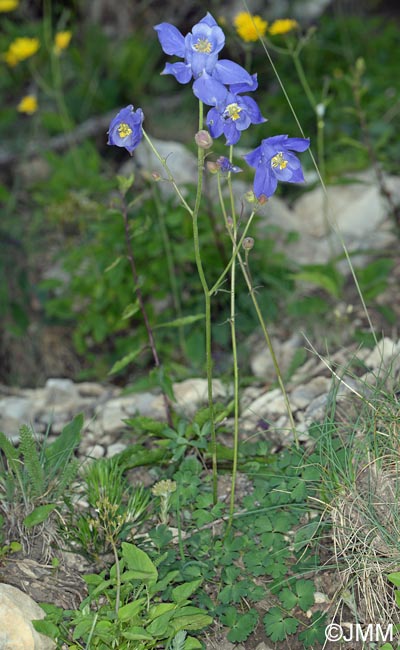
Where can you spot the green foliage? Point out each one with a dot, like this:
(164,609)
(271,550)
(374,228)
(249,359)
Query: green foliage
(373,277)
(115,510)
(278,626)
(127,608)
(36,474)
(253,557)
(329,59)
(96,297)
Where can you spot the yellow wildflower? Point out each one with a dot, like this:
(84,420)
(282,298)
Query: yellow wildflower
(283,26)
(61,41)
(28,105)
(249,27)
(21,49)
(8,5)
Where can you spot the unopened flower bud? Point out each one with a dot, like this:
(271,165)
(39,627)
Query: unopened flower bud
(156,176)
(212,167)
(203,139)
(229,222)
(250,197)
(248,243)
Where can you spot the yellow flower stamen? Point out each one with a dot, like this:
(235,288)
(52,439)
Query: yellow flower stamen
(203,45)
(28,105)
(279,161)
(233,111)
(249,27)
(283,26)
(124,130)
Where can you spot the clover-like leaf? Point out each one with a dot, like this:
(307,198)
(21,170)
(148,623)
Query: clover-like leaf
(277,625)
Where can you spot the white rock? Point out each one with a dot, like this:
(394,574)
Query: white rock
(115,449)
(110,416)
(261,361)
(320,598)
(15,411)
(96,452)
(181,162)
(17,610)
(382,353)
(60,391)
(271,402)
(194,391)
(302,396)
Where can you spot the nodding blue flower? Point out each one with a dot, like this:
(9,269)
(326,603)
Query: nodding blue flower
(199,50)
(274,161)
(225,166)
(126,129)
(234,114)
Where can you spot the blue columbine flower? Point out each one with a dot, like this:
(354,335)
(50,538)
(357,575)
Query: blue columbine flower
(274,161)
(234,113)
(126,129)
(225,166)
(200,49)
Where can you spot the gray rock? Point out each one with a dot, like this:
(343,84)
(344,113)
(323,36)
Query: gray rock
(303,396)
(261,361)
(181,162)
(96,452)
(17,610)
(383,354)
(60,391)
(15,411)
(267,404)
(115,449)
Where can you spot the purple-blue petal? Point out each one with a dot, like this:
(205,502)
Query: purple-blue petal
(252,110)
(209,20)
(237,88)
(181,71)
(208,90)
(127,117)
(232,134)
(171,40)
(228,72)
(264,182)
(214,123)
(297,144)
(254,158)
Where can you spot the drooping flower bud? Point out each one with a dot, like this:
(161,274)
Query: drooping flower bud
(203,139)
(212,167)
(248,243)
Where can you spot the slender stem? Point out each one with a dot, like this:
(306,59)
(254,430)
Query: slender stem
(117,575)
(270,348)
(234,355)
(207,308)
(303,79)
(168,172)
(142,307)
(207,296)
(250,287)
(218,283)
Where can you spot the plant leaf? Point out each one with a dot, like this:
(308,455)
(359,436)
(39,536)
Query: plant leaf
(38,515)
(125,361)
